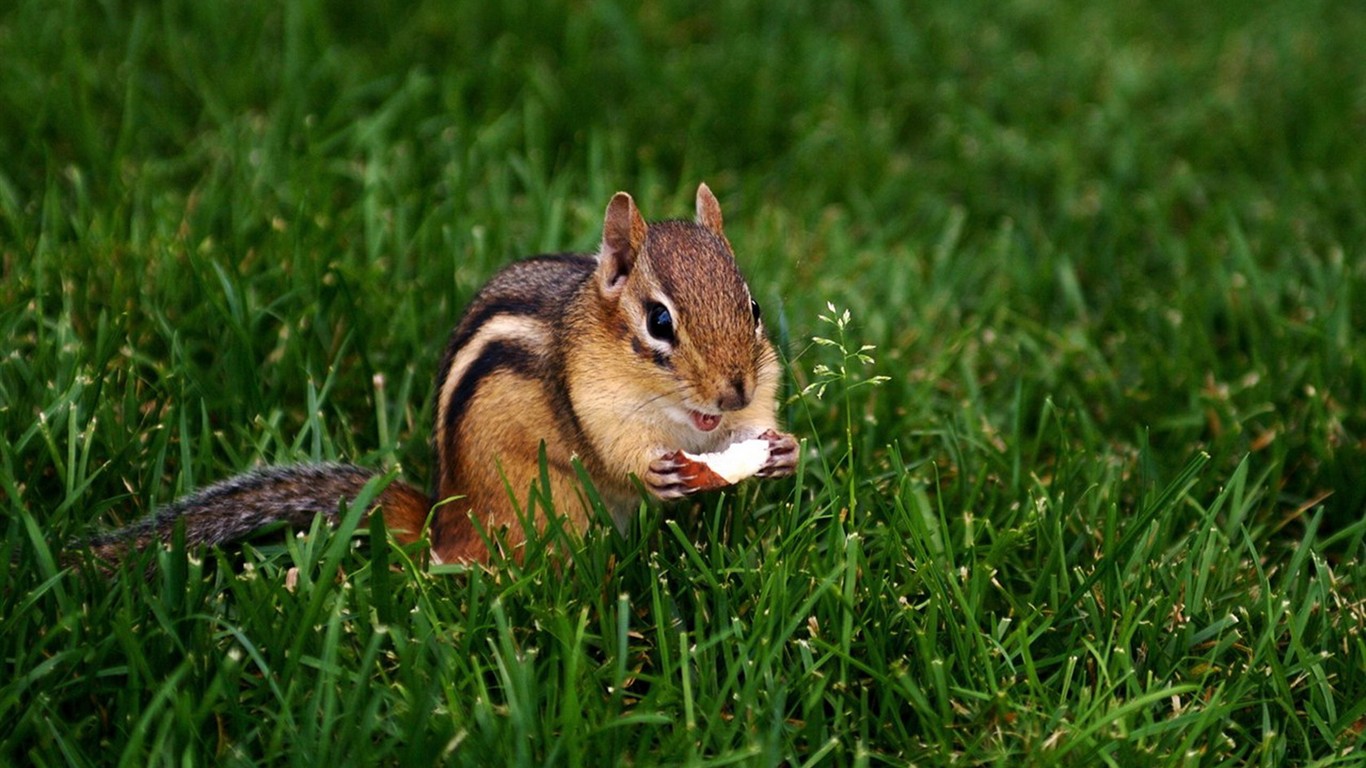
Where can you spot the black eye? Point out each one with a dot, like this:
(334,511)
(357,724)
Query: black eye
(658,321)
(754,308)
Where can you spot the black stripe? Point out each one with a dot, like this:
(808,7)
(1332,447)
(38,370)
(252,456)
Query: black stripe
(497,355)
(576,259)
(647,352)
(472,324)
(568,421)
(534,303)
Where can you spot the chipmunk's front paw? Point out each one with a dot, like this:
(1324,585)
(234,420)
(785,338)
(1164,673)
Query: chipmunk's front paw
(782,454)
(673,476)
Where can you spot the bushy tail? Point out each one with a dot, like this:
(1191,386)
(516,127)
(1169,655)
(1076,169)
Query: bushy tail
(234,508)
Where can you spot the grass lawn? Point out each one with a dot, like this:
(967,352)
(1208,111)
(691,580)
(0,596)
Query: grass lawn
(1105,508)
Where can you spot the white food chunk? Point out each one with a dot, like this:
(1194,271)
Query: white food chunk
(738,461)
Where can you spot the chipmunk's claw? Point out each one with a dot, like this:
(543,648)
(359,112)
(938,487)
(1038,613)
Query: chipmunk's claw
(673,476)
(782,454)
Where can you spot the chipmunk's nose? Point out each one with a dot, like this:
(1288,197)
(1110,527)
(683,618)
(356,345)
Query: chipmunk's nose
(734,395)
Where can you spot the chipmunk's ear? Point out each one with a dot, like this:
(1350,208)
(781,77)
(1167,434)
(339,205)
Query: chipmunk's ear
(708,210)
(623,235)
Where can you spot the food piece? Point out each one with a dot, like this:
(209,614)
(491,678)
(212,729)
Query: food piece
(737,462)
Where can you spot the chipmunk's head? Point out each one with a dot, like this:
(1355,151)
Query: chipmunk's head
(682,311)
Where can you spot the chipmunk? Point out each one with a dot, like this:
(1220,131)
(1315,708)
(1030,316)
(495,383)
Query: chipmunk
(625,361)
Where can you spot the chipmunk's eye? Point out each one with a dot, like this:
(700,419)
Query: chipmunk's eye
(754,308)
(659,322)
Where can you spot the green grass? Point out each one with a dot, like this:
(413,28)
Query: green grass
(1106,508)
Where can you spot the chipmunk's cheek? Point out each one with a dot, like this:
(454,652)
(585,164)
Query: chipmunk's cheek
(705,422)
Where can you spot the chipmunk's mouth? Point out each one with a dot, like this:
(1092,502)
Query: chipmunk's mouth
(705,422)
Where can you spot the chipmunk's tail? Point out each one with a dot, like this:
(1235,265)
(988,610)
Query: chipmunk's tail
(234,508)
